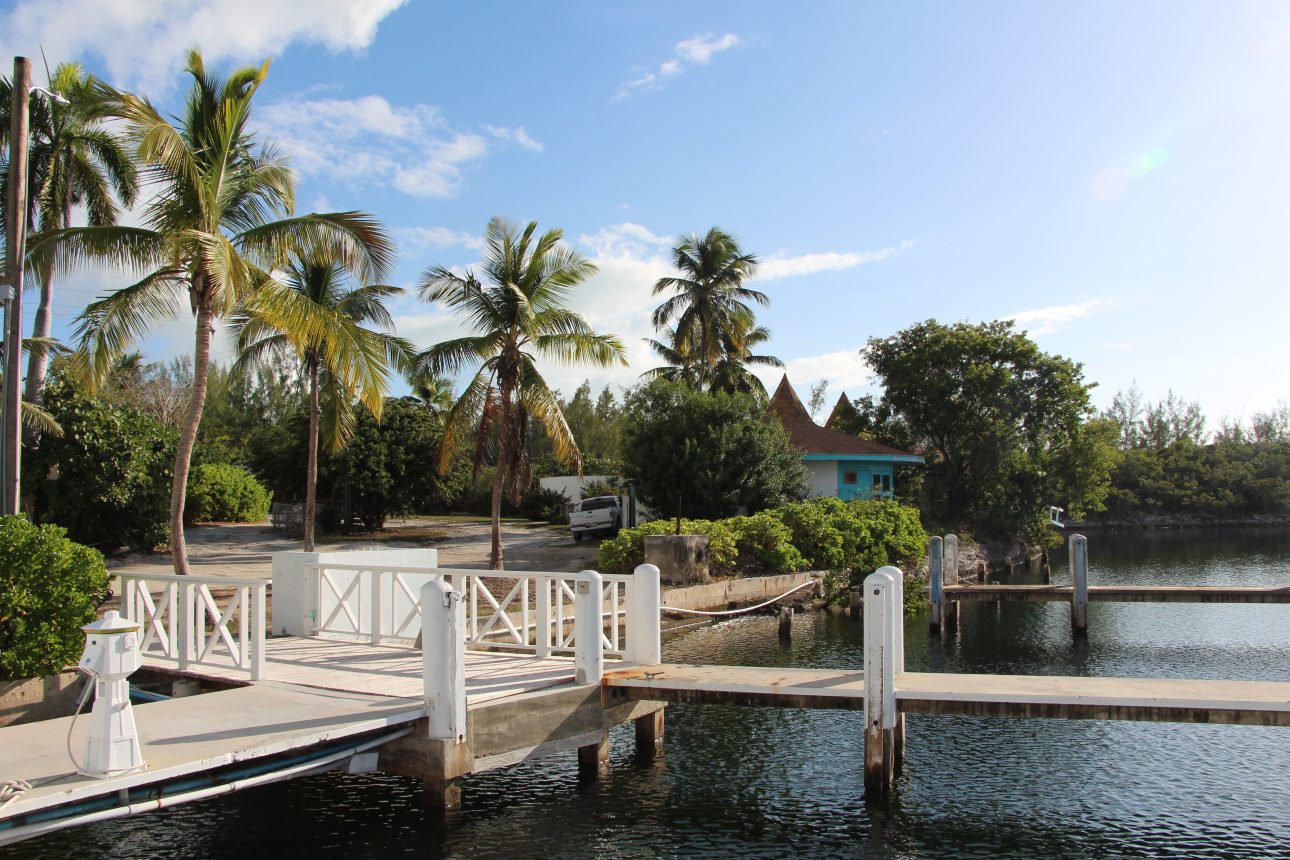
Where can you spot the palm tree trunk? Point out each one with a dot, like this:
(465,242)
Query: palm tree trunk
(311,467)
(495,559)
(188,438)
(38,363)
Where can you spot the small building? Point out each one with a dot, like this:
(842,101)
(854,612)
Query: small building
(840,464)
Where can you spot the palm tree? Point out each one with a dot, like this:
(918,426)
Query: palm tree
(680,366)
(731,373)
(74,161)
(339,355)
(707,295)
(433,391)
(517,314)
(208,235)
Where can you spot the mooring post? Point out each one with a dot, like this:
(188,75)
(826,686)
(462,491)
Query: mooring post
(855,602)
(588,628)
(980,573)
(786,622)
(935,582)
(644,608)
(898,620)
(880,653)
(1079,583)
(438,754)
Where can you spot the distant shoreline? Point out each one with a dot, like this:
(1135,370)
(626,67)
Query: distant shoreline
(1183,521)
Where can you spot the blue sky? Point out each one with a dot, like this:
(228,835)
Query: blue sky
(1112,175)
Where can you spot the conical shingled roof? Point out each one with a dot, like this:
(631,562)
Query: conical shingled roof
(810,437)
(844,407)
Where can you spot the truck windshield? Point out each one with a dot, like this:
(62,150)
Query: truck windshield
(597,504)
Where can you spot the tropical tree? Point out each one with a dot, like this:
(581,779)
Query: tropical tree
(341,358)
(73,161)
(707,296)
(517,314)
(209,235)
(433,391)
(731,372)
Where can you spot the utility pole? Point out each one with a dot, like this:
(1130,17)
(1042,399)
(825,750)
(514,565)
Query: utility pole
(17,247)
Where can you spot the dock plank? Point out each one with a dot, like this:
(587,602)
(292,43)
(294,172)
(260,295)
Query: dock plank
(1064,697)
(192,734)
(1123,593)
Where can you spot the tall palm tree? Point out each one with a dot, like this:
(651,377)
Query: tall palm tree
(74,161)
(680,365)
(731,372)
(209,235)
(433,391)
(517,314)
(341,358)
(706,295)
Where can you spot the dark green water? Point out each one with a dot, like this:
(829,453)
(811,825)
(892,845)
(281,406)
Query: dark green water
(758,782)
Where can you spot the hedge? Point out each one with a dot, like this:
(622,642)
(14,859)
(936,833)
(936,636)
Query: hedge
(49,587)
(224,493)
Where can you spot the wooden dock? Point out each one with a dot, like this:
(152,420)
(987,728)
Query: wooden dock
(1247,703)
(947,593)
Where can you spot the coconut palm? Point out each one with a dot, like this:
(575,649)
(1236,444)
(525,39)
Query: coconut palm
(707,295)
(517,314)
(731,372)
(340,357)
(434,392)
(209,235)
(680,365)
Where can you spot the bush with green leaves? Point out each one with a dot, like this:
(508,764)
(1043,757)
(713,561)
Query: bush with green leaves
(49,587)
(853,538)
(601,488)
(537,503)
(107,478)
(224,493)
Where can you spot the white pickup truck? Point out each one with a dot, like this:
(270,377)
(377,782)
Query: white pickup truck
(596,514)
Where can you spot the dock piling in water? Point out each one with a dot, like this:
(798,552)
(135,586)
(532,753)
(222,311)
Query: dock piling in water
(935,582)
(786,622)
(1079,583)
(881,635)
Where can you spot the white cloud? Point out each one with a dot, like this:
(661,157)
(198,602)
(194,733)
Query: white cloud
(696,51)
(143,43)
(515,135)
(775,267)
(1048,320)
(368,139)
(421,239)
(845,370)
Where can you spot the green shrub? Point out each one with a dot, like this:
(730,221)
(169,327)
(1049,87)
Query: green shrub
(621,553)
(224,493)
(815,529)
(765,545)
(107,478)
(49,587)
(539,504)
(601,488)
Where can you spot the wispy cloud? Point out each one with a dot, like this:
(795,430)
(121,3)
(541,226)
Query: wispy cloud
(515,135)
(421,239)
(368,139)
(1048,320)
(845,370)
(696,51)
(143,43)
(775,267)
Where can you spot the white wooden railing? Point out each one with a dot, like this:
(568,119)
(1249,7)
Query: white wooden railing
(183,619)
(524,611)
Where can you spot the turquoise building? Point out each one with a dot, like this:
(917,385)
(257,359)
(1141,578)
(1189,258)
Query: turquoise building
(840,464)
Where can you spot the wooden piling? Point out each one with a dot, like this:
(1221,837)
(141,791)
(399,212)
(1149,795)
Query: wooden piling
(593,759)
(855,603)
(649,734)
(1047,571)
(1079,583)
(935,582)
(880,654)
(786,622)
(980,573)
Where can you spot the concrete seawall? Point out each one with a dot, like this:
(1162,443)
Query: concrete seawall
(720,595)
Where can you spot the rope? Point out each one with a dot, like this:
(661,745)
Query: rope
(739,611)
(11,790)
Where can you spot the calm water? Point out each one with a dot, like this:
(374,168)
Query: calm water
(760,782)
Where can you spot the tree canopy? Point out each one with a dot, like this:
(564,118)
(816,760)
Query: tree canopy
(705,455)
(1005,425)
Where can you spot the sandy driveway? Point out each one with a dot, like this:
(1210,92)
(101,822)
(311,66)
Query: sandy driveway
(241,550)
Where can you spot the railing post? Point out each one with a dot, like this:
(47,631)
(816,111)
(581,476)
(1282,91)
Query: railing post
(443,656)
(880,654)
(257,632)
(935,582)
(374,611)
(187,623)
(1079,583)
(588,653)
(644,608)
(542,618)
